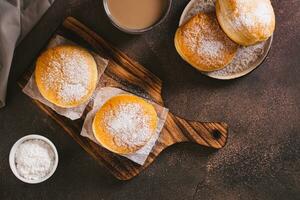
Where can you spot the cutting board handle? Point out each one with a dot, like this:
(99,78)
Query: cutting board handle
(210,134)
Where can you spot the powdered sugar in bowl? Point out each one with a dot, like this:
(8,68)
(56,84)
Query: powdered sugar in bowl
(33,159)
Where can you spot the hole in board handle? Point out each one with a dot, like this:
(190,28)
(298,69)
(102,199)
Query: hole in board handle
(216,134)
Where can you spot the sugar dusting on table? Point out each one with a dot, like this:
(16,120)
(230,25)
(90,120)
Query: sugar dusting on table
(34,159)
(129,125)
(244,160)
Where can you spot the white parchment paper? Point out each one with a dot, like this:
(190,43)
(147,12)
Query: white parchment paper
(101,97)
(31,88)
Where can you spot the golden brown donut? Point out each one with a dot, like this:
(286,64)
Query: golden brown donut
(202,43)
(66,75)
(125,123)
(246,21)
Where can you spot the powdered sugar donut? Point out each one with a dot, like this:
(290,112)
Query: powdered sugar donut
(125,123)
(66,75)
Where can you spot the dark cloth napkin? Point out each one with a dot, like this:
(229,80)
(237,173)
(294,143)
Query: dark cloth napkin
(17,17)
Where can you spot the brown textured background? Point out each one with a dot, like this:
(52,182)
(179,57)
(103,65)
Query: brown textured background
(260,161)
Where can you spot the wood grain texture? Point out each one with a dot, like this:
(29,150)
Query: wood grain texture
(125,73)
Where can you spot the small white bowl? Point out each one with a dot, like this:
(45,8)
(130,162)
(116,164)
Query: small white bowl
(13,153)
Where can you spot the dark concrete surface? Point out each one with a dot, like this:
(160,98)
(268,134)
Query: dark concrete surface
(260,161)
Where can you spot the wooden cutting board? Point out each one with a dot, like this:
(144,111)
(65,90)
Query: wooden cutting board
(127,74)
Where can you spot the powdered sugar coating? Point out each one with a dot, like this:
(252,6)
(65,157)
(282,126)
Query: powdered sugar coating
(70,92)
(129,125)
(261,14)
(211,48)
(202,41)
(70,73)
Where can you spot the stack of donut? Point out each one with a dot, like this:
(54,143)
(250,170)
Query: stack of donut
(209,41)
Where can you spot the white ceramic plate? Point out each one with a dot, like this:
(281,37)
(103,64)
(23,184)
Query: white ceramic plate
(192,8)
(13,153)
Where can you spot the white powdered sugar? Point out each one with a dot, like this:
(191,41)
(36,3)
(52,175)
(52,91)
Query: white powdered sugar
(129,125)
(72,91)
(70,72)
(211,48)
(189,38)
(34,159)
(259,15)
